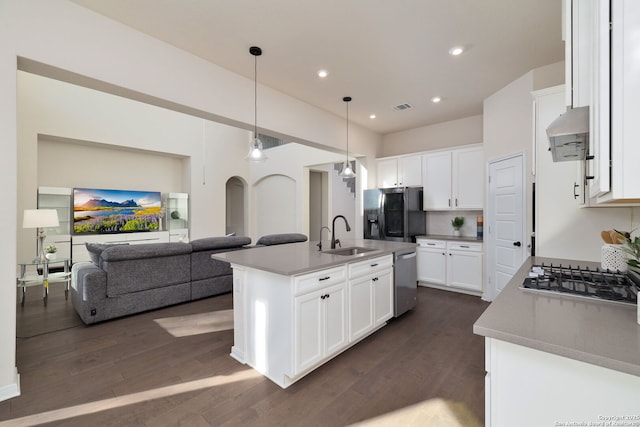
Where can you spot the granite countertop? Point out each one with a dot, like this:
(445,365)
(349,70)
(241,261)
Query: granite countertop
(451,238)
(593,331)
(298,258)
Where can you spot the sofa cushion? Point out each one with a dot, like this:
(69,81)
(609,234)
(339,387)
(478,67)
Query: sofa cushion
(211,243)
(279,239)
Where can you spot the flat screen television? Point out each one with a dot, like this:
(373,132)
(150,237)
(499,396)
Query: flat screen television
(98,211)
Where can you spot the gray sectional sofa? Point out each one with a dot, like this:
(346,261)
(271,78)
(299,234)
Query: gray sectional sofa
(128,279)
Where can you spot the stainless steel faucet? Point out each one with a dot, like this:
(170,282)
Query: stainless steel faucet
(319,245)
(333,233)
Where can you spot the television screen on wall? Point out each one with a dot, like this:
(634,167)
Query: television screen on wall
(98,211)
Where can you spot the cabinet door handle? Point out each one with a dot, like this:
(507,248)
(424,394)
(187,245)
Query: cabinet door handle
(324,278)
(374,279)
(575,195)
(449,253)
(327,296)
(431,244)
(374,265)
(456,202)
(443,253)
(464,246)
(449,202)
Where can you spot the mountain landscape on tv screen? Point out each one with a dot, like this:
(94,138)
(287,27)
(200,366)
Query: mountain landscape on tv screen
(115,211)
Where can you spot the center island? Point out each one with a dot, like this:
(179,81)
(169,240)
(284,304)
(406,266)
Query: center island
(296,307)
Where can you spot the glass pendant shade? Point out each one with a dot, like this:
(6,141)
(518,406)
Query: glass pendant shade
(256,153)
(347,172)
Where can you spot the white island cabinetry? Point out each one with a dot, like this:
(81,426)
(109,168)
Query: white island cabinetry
(289,320)
(320,317)
(370,295)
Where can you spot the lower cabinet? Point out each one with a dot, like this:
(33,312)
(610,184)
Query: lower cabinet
(450,265)
(321,325)
(370,295)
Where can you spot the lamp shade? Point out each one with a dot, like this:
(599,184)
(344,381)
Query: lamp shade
(40,218)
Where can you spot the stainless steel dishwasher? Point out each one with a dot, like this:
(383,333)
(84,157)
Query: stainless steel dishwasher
(405,279)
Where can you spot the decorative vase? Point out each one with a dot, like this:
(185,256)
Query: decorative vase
(50,256)
(456,232)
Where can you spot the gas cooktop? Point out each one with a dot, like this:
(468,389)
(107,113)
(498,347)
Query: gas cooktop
(583,282)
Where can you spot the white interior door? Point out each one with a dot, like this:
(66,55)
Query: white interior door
(505,220)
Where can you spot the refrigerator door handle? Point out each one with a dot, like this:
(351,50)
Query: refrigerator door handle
(382,220)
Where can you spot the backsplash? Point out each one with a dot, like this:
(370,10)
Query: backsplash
(439,222)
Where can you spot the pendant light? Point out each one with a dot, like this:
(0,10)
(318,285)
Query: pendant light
(347,172)
(256,153)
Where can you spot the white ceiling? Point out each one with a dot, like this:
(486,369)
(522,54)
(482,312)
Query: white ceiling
(380,52)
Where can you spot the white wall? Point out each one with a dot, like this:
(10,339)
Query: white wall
(442,135)
(106,141)
(58,37)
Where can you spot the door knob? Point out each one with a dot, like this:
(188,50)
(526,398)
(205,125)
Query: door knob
(518,244)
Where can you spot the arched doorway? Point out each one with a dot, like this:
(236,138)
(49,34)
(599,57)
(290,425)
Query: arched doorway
(235,203)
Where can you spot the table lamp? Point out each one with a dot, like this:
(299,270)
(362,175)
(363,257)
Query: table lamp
(40,218)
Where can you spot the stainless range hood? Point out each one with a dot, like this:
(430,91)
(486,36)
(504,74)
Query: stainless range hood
(569,135)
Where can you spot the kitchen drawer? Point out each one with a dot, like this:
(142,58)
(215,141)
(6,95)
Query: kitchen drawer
(464,246)
(319,279)
(435,244)
(369,266)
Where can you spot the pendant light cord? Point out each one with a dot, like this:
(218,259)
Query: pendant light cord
(255,96)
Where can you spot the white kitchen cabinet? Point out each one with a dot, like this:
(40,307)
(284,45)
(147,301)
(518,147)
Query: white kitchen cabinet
(454,179)
(464,266)
(450,265)
(404,171)
(370,295)
(432,261)
(603,71)
(563,387)
(321,326)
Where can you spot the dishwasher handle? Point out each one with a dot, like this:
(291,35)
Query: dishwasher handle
(407,256)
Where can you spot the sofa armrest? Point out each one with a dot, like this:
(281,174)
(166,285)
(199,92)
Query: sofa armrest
(89,281)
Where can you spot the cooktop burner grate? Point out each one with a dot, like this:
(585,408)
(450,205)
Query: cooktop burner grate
(605,285)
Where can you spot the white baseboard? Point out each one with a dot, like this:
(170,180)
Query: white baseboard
(11,390)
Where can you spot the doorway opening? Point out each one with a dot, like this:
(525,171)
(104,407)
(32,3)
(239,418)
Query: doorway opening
(318,202)
(235,206)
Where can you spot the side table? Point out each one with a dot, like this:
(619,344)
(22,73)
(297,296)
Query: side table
(26,279)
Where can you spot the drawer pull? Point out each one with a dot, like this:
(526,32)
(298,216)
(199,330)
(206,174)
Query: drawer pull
(464,246)
(374,265)
(431,244)
(324,278)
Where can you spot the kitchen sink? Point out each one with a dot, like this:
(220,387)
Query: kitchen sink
(354,250)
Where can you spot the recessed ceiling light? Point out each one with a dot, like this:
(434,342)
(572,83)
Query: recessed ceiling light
(456,50)
(372,116)
(436,99)
(323,73)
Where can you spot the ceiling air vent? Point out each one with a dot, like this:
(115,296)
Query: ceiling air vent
(403,107)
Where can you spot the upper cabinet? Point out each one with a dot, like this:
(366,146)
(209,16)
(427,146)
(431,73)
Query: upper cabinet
(404,171)
(601,67)
(454,179)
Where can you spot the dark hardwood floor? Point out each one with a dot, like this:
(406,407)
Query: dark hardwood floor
(131,372)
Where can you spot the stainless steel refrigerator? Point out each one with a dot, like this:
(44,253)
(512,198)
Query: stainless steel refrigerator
(394,214)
